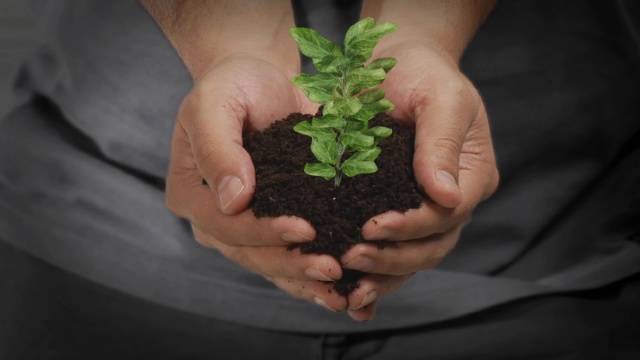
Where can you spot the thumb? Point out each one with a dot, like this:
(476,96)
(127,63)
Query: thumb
(441,128)
(214,128)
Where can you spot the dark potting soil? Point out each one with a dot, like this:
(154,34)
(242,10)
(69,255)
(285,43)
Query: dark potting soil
(337,214)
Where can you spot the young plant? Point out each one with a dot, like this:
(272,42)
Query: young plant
(343,129)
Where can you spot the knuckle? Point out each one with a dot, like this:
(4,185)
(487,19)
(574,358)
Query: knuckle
(465,210)
(395,265)
(393,268)
(442,227)
(270,278)
(172,202)
(436,257)
(295,288)
(445,224)
(442,245)
(265,236)
(461,92)
(204,240)
(172,199)
(206,152)
(494,182)
(418,99)
(445,221)
(191,103)
(238,256)
(287,285)
(456,89)
(189,108)
(384,260)
(446,146)
(456,92)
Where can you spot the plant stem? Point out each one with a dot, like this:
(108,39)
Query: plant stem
(338,178)
(343,92)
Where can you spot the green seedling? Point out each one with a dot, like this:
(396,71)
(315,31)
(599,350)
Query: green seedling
(341,139)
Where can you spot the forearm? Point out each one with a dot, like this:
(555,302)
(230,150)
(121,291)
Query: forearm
(448,25)
(206,32)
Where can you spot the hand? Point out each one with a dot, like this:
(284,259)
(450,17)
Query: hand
(240,92)
(453,162)
(241,57)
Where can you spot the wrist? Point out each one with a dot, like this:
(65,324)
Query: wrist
(445,26)
(205,33)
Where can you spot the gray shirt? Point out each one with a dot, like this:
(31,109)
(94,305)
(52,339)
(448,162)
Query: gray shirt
(82,164)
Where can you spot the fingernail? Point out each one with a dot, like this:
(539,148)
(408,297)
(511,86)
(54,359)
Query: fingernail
(369,299)
(228,190)
(355,317)
(295,237)
(361,262)
(446,179)
(315,273)
(321,302)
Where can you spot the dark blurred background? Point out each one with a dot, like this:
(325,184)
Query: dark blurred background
(18,36)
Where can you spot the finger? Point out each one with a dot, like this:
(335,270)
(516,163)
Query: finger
(372,288)
(213,118)
(400,258)
(320,293)
(188,198)
(478,179)
(478,175)
(427,220)
(364,314)
(442,123)
(276,261)
(243,229)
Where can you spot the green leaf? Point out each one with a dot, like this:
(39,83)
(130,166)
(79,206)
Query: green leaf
(342,77)
(359,48)
(325,150)
(331,64)
(320,169)
(356,167)
(343,106)
(368,111)
(385,64)
(371,96)
(359,28)
(366,155)
(357,140)
(379,132)
(329,121)
(366,76)
(361,78)
(365,114)
(317,87)
(305,128)
(356,126)
(312,44)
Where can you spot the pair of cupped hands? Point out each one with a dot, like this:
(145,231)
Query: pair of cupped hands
(454,163)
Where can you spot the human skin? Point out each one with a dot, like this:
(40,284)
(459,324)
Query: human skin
(241,58)
(454,160)
(241,61)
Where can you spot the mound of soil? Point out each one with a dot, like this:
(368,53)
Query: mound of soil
(337,214)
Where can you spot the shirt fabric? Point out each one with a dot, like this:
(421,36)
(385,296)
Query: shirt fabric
(82,163)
